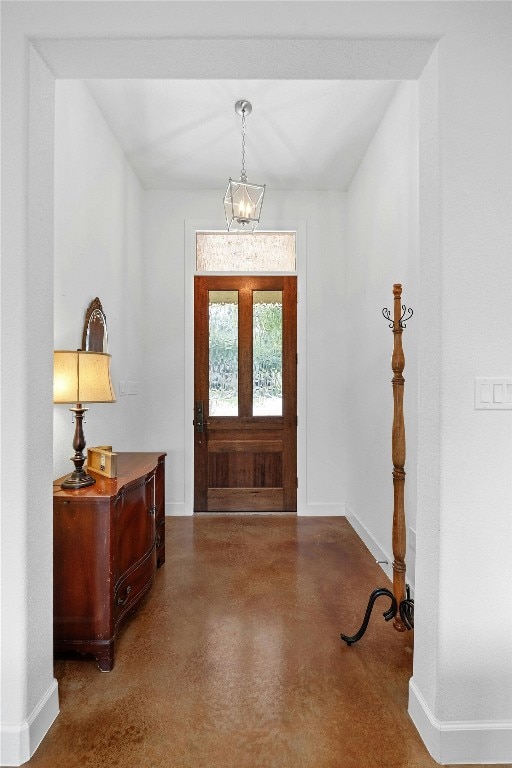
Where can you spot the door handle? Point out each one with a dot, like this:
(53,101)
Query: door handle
(199,416)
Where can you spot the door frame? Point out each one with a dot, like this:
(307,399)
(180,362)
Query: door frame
(191,227)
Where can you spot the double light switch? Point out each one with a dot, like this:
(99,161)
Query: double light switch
(493,394)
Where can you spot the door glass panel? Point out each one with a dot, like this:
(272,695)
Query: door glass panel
(267,330)
(223,352)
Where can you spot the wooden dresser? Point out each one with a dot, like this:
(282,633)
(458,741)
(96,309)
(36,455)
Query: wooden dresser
(108,539)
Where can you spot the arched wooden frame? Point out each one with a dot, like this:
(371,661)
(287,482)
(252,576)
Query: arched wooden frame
(94,335)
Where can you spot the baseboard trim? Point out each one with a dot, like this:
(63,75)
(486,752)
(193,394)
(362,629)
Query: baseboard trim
(180,509)
(19,741)
(460,742)
(335,509)
(176,509)
(383,558)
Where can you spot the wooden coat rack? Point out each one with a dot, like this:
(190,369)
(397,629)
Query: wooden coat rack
(402,607)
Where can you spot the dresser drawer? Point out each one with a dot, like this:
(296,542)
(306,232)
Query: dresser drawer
(133,584)
(134,526)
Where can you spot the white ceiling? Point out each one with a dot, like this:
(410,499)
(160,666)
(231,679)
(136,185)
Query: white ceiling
(301,135)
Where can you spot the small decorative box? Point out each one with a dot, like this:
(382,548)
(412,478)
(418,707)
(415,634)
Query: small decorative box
(102,460)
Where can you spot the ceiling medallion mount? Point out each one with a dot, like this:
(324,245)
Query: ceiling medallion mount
(243,201)
(241,106)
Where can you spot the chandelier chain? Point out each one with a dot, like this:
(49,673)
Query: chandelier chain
(243,173)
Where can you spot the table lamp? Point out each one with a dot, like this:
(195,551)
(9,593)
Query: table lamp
(81,377)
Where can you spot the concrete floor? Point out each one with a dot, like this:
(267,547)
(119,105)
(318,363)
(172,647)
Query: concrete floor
(234,660)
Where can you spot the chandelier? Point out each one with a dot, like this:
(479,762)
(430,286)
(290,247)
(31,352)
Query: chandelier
(243,201)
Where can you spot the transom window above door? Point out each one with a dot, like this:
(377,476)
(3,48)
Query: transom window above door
(251,252)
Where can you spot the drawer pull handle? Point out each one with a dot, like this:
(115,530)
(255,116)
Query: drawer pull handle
(120,601)
(152,511)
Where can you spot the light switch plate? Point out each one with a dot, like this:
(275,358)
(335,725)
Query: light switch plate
(493,393)
(128,387)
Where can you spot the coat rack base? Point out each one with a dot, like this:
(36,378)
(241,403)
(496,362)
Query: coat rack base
(405,610)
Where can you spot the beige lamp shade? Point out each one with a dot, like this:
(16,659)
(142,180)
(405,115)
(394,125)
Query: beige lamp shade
(82,377)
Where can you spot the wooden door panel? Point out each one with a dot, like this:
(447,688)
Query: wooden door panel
(246,469)
(245,462)
(235,443)
(238,440)
(245,499)
(268,470)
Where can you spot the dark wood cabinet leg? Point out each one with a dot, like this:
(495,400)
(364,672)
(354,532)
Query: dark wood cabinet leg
(105,658)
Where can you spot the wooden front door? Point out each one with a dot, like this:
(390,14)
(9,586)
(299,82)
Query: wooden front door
(245,394)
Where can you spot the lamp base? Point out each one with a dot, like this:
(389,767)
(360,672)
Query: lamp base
(79,478)
(76,480)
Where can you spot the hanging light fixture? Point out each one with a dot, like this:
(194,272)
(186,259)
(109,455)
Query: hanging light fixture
(243,201)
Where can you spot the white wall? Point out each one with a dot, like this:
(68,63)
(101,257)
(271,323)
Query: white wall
(461,691)
(28,689)
(98,202)
(382,249)
(321,340)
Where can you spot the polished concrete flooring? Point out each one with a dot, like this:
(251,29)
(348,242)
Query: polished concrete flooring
(234,660)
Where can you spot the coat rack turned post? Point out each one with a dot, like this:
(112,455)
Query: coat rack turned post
(398,458)
(402,607)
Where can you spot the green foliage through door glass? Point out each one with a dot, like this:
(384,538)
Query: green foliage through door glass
(223,353)
(267,353)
